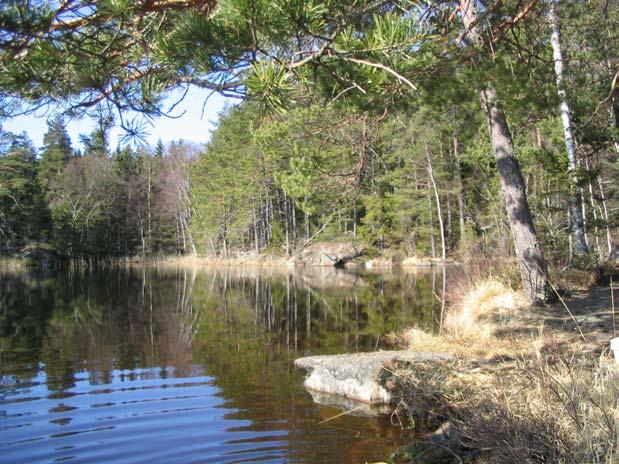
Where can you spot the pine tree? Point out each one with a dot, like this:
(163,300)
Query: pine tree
(97,144)
(22,209)
(159,151)
(55,153)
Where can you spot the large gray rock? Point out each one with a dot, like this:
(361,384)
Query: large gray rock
(356,376)
(382,262)
(329,254)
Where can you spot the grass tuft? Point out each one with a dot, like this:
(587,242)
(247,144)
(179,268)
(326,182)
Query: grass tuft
(545,410)
(519,392)
(479,306)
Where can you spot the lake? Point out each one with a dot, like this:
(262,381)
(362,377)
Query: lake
(192,366)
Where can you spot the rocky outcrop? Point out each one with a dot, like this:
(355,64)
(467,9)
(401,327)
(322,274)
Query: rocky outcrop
(383,262)
(335,254)
(357,376)
(413,261)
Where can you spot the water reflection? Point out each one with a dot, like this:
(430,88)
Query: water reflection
(189,366)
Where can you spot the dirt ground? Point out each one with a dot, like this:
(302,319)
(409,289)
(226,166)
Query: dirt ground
(594,311)
(586,315)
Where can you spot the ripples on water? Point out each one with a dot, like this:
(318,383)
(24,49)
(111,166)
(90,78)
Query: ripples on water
(123,367)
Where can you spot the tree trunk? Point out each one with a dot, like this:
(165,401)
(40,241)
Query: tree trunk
(149,203)
(354,219)
(293,216)
(307,226)
(432,245)
(615,112)
(187,233)
(224,240)
(460,194)
(286,227)
(256,243)
(438,204)
(596,231)
(533,267)
(182,228)
(609,241)
(580,245)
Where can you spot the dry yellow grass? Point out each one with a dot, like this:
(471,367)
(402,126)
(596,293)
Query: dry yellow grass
(481,305)
(209,261)
(519,392)
(199,262)
(472,322)
(526,398)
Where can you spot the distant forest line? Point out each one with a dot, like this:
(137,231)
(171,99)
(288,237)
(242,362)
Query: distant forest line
(427,129)
(390,181)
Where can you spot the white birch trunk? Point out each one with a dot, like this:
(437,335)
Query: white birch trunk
(580,244)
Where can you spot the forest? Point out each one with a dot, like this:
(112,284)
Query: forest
(479,131)
(390,124)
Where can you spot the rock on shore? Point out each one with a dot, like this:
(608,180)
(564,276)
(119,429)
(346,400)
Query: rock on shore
(356,376)
(329,254)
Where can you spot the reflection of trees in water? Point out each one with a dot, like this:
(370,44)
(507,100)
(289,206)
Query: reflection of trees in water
(100,321)
(95,322)
(174,324)
(25,305)
(125,322)
(242,328)
(305,310)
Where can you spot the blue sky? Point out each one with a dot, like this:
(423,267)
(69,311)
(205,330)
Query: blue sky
(192,125)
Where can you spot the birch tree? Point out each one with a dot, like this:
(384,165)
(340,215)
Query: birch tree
(578,227)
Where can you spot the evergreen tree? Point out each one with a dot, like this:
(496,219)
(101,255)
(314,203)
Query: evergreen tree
(22,209)
(55,153)
(98,142)
(224,216)
(376,122)
(159,149)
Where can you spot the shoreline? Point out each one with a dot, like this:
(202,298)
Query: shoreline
(497,390)
(380,263)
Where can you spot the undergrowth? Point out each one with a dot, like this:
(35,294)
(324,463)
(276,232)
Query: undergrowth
(547,410)
(518,392)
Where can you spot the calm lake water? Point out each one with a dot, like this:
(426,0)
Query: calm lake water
(191,366)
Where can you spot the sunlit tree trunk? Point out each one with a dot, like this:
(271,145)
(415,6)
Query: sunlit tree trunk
(286,224)
(460,194)
(580,245)
(438,204)
(615,109)
(533,267)
(432,245)
(256,243)
(609,240)
(225,245)
(306,223)
(293,215)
